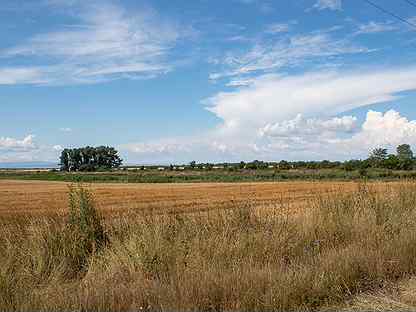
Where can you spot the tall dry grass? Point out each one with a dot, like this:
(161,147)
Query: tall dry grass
(241,259)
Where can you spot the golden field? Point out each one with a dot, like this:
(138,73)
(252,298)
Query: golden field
(301,246)
(43,197)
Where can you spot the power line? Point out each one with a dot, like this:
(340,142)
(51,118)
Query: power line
(391,13)
(411,2)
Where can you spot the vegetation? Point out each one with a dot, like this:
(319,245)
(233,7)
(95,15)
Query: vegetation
(240,259)
(89,159)
(217,175)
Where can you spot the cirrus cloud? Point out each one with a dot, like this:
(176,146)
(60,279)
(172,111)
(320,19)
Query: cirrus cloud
(328,4)
(105,42)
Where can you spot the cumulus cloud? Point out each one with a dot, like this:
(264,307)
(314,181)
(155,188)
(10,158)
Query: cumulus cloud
(388,130)
(12,144)
(27,150)
(328,4)
(379,129)
(311,126)
(296,117)
(298,138)
(272,98)
(105,42)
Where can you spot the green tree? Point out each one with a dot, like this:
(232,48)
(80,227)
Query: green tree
(89,158)
(284,165)
(404,152)
(405,157)
(377,157)
(392,162)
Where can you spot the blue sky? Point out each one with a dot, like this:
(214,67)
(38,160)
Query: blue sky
(206,80)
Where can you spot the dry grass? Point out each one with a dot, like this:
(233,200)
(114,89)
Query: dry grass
(346,250)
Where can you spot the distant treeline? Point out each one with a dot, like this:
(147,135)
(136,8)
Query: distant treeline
(106,158)
(378,158)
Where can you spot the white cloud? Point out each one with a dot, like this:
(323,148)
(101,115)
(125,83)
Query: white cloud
(412,20)
(286,52)
(328,4)
(312,126)
(334,138)
(277,28)
(106,42)
(166,147)
(21,75)
(388,130)
(374,27)
(27,150)
(379,129)
(11,144)
(270,106)
(65,129)
(273,98)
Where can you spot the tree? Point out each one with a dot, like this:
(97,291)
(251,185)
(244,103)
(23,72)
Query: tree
(352,164)
(404,152)
(284,165)
(90,159)
(392,162)
(405,157)
(377,157)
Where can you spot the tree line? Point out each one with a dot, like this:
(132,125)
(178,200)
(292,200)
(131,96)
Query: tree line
(106,158)
(378,158)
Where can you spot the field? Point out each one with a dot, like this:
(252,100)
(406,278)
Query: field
(42,197)
(208,246)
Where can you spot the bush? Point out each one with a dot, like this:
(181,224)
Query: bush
(84,225)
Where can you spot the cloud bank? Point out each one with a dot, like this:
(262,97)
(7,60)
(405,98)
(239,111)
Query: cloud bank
(301,116)
(273,98)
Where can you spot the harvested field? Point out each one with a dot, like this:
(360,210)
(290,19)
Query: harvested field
(41,197)
(352,248)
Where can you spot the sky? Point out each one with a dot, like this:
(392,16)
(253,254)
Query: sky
(206,80)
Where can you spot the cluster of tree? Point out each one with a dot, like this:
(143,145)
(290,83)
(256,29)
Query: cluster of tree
(378,158)
(403,160)
(89,159)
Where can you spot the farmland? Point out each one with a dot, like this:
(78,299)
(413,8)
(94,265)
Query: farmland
(207,246)
(42,197)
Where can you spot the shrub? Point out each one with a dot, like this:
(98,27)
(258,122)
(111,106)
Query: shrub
(84,226)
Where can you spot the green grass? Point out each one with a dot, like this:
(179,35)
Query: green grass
(153,176)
